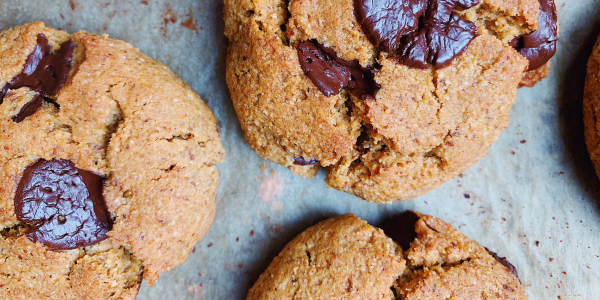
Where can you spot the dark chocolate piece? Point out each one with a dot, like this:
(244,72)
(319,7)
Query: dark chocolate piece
(44,72)
(301,162)
(386,21)
(63,204)
(539,46)
(331,74)
(29,108)
(418,33)
(504,262)
(401,228)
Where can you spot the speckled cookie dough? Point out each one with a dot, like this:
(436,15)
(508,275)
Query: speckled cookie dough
(591,107)
(414,257)
(107,169)
(393,98)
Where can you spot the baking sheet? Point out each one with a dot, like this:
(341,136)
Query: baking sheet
(534,198)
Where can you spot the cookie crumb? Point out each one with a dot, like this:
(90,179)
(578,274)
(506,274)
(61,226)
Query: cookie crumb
(190,23)
(168,18)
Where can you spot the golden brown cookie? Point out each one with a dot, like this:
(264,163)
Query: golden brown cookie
(591,107)
(107,169)
(413,257)
(390,113)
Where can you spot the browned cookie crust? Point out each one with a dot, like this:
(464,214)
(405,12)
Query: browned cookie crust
(421,257)
(106,166)
(591,107)
(398,132)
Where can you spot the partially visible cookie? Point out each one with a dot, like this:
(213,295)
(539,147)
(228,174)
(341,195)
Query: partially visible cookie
(107,169)
(414,257)
(539,46)
(394,97)
(591,107)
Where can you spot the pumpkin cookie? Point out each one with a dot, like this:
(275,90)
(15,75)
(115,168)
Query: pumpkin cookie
(393,98)
(106,166)
(591,107)
(413,257)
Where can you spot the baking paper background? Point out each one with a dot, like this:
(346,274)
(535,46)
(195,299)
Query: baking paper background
(534,198)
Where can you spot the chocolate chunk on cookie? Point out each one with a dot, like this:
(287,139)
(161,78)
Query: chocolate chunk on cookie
(105,180)
(346,258)
(386,22)
(539,46)
(331,73)
(302,162)
(44,72)
(393,98)
(63,204)
(422,32)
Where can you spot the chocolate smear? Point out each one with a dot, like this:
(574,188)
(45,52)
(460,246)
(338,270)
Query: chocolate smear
(539,46)
(44,72)
(504,262)
(401,228)
(63,204)
(418,33)
(331,74)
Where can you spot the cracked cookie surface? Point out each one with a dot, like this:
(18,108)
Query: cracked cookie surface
(414,257)
(418,127)
(114,161)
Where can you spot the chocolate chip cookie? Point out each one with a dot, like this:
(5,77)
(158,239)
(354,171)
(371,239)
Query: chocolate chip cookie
(392,97)
(107,169)
(414,257)
(591,107)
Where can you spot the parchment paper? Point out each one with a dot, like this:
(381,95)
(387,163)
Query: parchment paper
(534,198)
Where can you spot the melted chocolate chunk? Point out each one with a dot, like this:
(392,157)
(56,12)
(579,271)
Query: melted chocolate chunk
(419,33)
(301,162)
(331,74)
(63,204)
(505,263)
(44,72)
(401,228)
(385,22)
(539,46)
(29,109)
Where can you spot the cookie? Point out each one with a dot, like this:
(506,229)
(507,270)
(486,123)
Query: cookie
(391,102)
(107,169)
(591,107)
(414,257)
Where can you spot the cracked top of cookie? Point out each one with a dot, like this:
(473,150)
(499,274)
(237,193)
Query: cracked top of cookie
(344,257)
(393,98)
(102,175)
